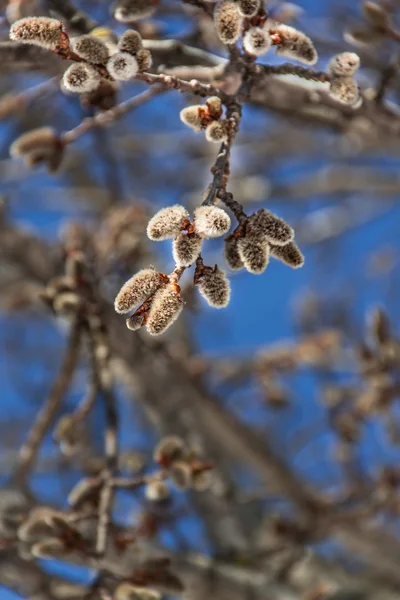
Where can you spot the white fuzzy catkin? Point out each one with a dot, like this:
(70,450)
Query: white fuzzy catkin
(345,90)
(231,253)
(185,248)
(248,8)
(294,44)
(254,254)
(290,254)
(192,117)
(228,21)
(80,78)
(122,66)
(264,223)
(344,64)
(40,31)
(215,288)
(136,290)
(211,221)
(128,11)
(217,132)
(130,41)
(214,106)
(91,49)
(164,310)
(167,223)
(257,41)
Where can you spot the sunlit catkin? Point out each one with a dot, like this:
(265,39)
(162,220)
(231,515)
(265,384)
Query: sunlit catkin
(211,221)
(290,254)
(293,44)
(231,253)
(130,41)
(248,8)
(344,64)
(136,290)
(144,60)
(345,90)
(80,78)
(217,132)
(167,223)
(128,11)
(265,223)
(91,49)
(228,21)
(192,116)
(165,308)
(122,66)
(40,31)
(254,254)
(157,491)
(185,248)
(257,41)
(215,288)
(214,106)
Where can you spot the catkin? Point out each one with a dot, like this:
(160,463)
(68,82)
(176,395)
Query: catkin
(211,221)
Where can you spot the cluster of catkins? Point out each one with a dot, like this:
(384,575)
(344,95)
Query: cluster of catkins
(343,86)
(207,117)
(233,17)
(262,235)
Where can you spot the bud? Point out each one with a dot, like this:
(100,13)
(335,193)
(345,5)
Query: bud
(345,90)
(215,288)
(169,449)
(264,224)
(91,49)
(217,132)
(214,106)
(80,78)
(157,491)
(228,21)
(134,322)
(130,41)
(376,15)
(249,8)
(192,117)
(37,146)
(136,290)
(363,36)
(165,309)
(181,475)
(344,64)
(40,31)
(49,548)
(294,44)
(231,252)
(122,66)
(254,254)
(185,248)
(128,591)
(290,254)
(211,221)
(167,223)
(128,11)
(144,60)
(257,41)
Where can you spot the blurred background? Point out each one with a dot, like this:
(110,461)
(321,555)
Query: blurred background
(291,391)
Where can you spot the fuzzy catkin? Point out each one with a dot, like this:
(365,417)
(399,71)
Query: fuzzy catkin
(254,254)
(214,106)
(144,60)
(80,78)
(215,288)
(181,475)
(167,223)
(290,254)
(231,253)
(217,132)
(185,248)
(32,140)
(91,49)
(344,64)
(192,117)
(168,449)
(345,90)
(157,491)
(211,221)
(134,322)
(40,31)
(228,21)
(130,41)
(122,66)
(128,11)
(257,41)
(165,308)
(294,44)
(265,223)
(136,290)
(248,8)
